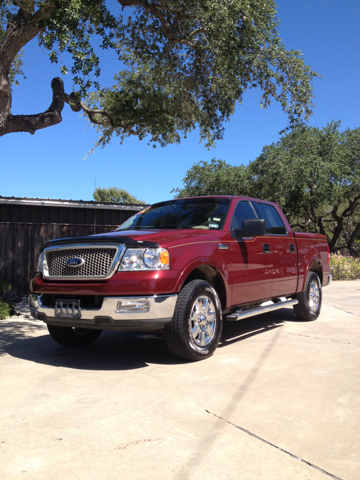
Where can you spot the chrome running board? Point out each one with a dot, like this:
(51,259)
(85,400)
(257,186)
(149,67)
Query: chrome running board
(241,314)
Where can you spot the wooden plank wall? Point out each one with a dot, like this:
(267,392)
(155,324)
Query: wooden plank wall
(20,245)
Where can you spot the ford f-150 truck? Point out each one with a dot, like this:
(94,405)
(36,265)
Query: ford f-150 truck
(180,267)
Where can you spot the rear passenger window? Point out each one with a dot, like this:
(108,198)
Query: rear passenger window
(243,211)
(274,223)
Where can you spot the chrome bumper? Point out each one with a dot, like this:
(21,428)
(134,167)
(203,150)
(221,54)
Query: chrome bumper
(116,313)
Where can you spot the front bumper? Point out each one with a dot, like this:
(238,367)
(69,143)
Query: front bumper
(158,311)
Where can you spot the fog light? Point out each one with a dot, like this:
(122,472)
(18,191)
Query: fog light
(132,306)
(33,301)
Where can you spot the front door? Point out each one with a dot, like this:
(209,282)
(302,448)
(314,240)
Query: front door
(250,271)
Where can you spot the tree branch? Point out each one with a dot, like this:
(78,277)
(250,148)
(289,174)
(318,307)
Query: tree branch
(91,113)
(77,105)
(31,123)
(20,30)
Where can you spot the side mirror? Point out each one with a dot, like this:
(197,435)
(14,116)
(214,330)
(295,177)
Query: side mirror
(251,228)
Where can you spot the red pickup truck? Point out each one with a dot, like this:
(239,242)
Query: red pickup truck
(180,267)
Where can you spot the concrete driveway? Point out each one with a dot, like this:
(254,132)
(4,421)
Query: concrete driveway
(280,399)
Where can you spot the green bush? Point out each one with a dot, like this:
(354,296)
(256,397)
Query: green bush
(5,309)
(4,287)
(344,268)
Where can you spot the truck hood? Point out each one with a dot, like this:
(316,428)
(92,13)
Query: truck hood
(144,238)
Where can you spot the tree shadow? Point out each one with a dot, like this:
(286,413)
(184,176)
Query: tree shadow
(29,340)
(214,431)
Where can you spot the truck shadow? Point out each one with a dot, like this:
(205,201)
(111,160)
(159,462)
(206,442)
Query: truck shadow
(119,350)
(237,331)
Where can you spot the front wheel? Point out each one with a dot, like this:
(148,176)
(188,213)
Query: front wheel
(195,330)
(309,305)
(73,337)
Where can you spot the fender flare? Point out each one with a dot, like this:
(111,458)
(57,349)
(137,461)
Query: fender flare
(221,270)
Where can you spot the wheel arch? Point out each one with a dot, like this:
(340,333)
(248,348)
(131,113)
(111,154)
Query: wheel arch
(211,275)
(313,266)
(317,268)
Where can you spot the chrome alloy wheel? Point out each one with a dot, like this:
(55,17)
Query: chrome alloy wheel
(314,297)
(202,321)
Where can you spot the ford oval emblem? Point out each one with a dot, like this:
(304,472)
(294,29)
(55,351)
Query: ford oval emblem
(75,262)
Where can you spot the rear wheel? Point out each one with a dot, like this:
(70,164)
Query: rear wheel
(309,305)
(73,337)
(195,330)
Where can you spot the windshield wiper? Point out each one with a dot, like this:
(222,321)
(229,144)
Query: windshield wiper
(172,225)
(136,227)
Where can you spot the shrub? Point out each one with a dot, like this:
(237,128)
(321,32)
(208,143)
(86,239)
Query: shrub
(344,268)
(4,287)
(5,309)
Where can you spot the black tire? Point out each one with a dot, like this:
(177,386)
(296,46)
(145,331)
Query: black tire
(190,335)
(309,305)
(73,337)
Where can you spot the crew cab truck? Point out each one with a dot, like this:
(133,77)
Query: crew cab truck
(180,267)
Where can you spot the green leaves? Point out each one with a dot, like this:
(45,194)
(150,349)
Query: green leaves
(315,170)
(215,178)
(202,56)
(115,195)
(183,64)
(313,174)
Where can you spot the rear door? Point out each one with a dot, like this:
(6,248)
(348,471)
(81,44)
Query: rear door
(282,251)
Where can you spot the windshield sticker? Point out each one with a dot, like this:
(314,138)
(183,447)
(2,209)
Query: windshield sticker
(213,225)
(216,219)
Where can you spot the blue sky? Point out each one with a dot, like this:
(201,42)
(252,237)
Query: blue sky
(50,163)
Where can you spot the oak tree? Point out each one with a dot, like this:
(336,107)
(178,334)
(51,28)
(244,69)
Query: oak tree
(215,178)
(312,173)
(182,64)
(115,195)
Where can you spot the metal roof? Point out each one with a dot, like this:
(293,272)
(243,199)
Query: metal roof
(47,202)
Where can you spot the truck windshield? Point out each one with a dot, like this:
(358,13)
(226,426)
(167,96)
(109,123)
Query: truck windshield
(199,213)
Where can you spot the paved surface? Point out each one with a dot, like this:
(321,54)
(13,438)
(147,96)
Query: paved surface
(280,399)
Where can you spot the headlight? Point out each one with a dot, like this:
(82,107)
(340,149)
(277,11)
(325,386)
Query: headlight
(145,259)
(40,263)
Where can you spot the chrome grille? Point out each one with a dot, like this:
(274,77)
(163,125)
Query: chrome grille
(97,262)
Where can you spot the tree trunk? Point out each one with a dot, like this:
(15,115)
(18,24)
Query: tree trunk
(5,96)
(336,234)
(352,239)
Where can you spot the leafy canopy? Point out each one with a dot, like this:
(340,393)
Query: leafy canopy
(310,169)
(183,64)
(214,178)
(115,195)
(312,173)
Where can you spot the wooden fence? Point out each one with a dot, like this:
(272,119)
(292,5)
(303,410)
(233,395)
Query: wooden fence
(20,245)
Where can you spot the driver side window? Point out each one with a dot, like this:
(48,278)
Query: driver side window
(243,211)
